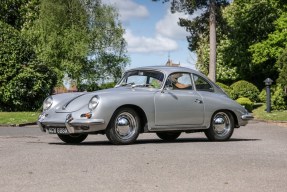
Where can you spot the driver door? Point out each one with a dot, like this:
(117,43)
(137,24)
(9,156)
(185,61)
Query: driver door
(176,107)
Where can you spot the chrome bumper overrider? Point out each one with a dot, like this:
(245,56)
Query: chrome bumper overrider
(72,125)
(247,117)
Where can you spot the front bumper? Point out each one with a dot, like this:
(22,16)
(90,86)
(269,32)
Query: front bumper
(73,125)
(244,119)
(247,117)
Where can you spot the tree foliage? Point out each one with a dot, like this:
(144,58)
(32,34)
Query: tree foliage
(10,12)
(242,32)
(41,41)
(24,83)
(282,68)
(80,39)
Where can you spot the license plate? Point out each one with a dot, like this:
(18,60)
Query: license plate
(57,131)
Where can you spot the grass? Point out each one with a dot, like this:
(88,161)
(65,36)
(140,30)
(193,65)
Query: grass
(16,118)
(261,114)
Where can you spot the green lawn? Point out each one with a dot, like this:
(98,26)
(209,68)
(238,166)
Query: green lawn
(261,114)
(15,118)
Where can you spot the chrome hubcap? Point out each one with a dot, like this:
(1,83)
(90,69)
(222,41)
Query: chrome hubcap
(125,125)
(221,124)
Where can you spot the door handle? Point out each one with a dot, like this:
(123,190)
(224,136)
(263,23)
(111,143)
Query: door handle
(198,101)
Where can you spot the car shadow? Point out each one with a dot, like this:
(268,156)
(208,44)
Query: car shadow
(159,141)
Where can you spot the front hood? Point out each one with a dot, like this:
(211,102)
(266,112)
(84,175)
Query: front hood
(77,101)
(63,101)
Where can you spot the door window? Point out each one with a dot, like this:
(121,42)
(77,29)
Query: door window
(180,81)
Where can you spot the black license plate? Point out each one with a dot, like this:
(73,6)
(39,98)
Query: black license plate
(57,130)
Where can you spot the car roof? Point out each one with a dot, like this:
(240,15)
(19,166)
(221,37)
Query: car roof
(167,69)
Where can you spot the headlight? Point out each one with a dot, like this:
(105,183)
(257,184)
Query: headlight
(47,103)
(93,103)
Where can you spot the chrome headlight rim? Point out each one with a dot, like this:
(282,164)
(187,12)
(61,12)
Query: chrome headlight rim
(47,103)
(93,103)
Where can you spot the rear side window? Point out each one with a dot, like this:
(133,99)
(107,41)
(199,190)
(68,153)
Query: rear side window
(201,84)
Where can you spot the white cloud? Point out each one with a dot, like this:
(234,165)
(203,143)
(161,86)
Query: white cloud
(169,27)
(167,31)
(142,44)
(128,9)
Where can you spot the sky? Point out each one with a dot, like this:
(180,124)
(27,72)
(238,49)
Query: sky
(152,33)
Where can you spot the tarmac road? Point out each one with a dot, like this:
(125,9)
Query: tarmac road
(255,159)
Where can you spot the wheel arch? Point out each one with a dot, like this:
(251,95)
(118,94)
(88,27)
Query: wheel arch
(236,124)
(139,111)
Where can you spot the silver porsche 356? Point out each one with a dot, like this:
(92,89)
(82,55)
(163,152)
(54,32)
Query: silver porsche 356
(162,100)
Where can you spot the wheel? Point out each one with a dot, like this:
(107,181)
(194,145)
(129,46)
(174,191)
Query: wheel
(222,126)
(168,136)
(73,138)
(124,127)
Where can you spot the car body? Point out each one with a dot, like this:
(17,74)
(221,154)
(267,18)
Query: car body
(158,99)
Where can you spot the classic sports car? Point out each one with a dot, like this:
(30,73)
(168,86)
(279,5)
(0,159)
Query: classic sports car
(162,100)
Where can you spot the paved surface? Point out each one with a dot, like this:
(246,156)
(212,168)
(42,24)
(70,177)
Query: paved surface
(255,159)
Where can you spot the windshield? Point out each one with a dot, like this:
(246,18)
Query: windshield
(141,78)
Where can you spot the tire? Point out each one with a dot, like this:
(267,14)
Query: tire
(168,136)
(221,127)
(124,127)
(73,138)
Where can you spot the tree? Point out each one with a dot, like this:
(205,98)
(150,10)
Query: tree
(107,45)
(10,12)
(74,36)
(282,66)
(43,40)
(248,23)
(198,27)
(24,82)
(199,42)
(274,49)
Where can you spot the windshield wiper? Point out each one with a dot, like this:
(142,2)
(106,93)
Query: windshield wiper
(140,85)
(125,84)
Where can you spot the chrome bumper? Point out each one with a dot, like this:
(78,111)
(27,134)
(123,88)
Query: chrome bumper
(72,125)
(247,117)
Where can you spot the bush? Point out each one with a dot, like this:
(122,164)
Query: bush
(247,103)
(27,90)
(225,88)
(88,87)
(244,89)
(95,86)
(262,96)
(279,99)
(107,85)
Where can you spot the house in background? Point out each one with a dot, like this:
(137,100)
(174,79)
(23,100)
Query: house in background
(171,64)
(63,89)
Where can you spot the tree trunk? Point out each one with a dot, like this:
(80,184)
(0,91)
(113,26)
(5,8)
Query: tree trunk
(212,42)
